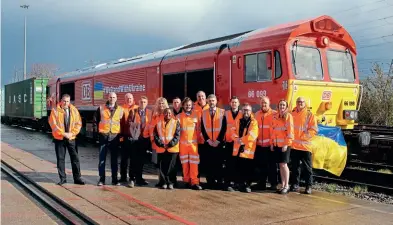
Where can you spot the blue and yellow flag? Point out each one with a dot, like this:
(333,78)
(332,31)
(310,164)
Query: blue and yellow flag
(329,150)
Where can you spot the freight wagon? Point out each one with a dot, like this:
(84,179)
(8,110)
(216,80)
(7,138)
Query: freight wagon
(25,103)
(314,58)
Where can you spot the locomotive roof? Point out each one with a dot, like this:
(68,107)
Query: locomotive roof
(211,44)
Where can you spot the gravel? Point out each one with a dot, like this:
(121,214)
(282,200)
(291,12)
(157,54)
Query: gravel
(354,192)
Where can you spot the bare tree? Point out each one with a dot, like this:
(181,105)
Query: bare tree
(42,70)
(377,103)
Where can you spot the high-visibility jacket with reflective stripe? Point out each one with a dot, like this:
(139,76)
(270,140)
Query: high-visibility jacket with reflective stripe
(166,133)
(198,108)
(189,128)
(231,123)
(213,127)
(249,139)
(107,123)
(264,122)
(305,127)
(281,130)
(56,122)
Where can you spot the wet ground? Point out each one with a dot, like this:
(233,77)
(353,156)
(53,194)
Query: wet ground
(34,154)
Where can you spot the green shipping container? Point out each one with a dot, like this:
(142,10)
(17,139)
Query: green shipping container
(26,99)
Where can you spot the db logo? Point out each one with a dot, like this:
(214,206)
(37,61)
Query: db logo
(326,95)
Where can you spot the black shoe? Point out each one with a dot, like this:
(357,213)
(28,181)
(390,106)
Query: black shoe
(142,182)
(294,188)
(196,187)
(308,190)
(79,181)
(284,191)
(230,189)
(131,184)
(247,189)
(61,182)
(115,182)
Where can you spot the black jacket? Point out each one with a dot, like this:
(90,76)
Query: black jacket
(173,142)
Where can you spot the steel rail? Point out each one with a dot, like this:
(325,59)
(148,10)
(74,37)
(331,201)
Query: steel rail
(57,206)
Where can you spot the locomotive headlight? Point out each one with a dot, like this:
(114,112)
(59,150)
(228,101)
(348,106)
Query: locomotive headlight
(350,114)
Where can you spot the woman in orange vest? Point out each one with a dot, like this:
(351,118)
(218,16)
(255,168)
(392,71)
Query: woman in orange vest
(281,140)
(158,113)
(189,157)
(166,137)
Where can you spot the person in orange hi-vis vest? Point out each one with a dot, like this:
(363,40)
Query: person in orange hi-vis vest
(305,128)
(132,129)
(231,116)
(189,132)
(108,118)
(244,136)
(158,113)
(265,162)
(281,139)
(166,137)
(128,106)
(200,105)
(213,128)
(65,122)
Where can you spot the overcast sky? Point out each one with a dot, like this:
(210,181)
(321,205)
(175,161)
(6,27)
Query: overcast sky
(71,33)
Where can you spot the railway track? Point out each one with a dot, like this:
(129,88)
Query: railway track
(58,207)
(371,166)
(375,181)
(344,182)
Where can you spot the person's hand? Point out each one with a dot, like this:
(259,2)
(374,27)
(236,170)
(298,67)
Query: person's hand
(216,143)
(67,135)
(271,148)
(284,148)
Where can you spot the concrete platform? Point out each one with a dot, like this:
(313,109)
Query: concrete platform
(13,200)
(149,205)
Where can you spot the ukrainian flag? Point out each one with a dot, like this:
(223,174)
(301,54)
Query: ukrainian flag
(98,90)
(329,150)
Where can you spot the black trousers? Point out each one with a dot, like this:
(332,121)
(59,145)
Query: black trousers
(133,154)
(167,167)
(265,165)
(61,146)
(108,144)
(305,158)
(239,171)
(214,159)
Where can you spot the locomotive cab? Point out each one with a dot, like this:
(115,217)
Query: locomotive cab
(322,69)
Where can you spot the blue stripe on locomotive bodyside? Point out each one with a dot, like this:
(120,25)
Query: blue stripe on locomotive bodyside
(156,57)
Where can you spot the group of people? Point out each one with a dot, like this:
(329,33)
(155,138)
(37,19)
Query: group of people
(227,146)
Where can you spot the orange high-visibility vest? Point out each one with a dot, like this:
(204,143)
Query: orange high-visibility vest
(199,108)
(166,134)
(189,128)
(231,123)
(56,122)
(305,127)
(108,124)
(281,130)
(264,121)
(213,127)
(249,139)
